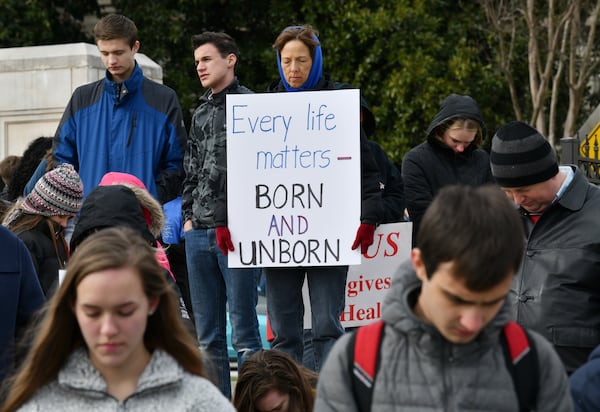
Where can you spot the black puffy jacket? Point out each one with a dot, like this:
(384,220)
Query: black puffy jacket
(432,164)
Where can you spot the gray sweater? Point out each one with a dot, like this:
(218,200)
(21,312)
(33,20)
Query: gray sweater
(163,386)
(422,371)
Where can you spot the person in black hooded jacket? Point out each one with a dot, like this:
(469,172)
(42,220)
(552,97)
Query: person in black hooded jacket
(117,206)
(109,206)
(450,155)
(390,183)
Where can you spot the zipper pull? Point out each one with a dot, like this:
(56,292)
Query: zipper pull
(131,129)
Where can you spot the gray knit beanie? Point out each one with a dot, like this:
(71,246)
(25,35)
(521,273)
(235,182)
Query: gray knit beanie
(58,193)
(521,156)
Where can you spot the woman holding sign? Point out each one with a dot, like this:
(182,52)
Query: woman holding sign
(300,63)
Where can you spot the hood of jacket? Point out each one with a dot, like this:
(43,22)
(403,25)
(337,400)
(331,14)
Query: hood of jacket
(110,206)
(398,313)
(153,211)
(453,106)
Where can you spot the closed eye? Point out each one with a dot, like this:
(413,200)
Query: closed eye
(126,314)
(92,314)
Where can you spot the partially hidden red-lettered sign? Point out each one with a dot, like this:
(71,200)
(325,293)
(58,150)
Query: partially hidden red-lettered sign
(368,282)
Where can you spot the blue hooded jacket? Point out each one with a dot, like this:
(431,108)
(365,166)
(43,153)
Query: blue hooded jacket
(133,127)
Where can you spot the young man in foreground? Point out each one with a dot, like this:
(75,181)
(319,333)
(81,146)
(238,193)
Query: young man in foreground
(444,315)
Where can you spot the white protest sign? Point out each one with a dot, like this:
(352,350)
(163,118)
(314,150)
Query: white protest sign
(368,282)
(61,276)
(293,178)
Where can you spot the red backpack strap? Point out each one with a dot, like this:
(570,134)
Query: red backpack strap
(363,356)
(518,344)
(521,361)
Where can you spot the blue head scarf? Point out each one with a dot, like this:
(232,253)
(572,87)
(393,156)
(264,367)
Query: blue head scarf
(316,70)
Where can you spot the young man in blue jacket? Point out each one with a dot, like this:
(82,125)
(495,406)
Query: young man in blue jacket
(124,122)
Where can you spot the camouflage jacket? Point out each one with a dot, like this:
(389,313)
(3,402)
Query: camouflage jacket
(204,198)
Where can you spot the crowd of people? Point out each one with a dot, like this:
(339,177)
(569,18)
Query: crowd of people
(115,287)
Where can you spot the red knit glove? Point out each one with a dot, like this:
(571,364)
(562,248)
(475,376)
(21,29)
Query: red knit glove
(224,239)
(364,237)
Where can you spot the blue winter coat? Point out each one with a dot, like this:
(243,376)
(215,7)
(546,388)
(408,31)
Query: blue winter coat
(132,127)
(20,294)
(585,384)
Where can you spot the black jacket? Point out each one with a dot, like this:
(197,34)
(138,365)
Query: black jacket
(432,165)
(110,206)
(391,186)
(118,206)
(557,290)
(48,250)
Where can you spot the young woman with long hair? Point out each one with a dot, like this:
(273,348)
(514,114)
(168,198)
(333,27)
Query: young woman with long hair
(112,338)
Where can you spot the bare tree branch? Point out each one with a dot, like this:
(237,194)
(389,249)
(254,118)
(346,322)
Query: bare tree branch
(582,65)
(502,19)
(556,85)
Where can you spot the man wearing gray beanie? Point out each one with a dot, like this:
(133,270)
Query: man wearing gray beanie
(557,289)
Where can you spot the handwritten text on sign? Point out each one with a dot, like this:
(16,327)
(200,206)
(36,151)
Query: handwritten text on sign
(293,178)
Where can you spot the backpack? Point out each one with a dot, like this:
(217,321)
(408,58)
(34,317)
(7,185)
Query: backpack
(519,353)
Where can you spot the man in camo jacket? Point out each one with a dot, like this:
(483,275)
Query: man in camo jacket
(204,208)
